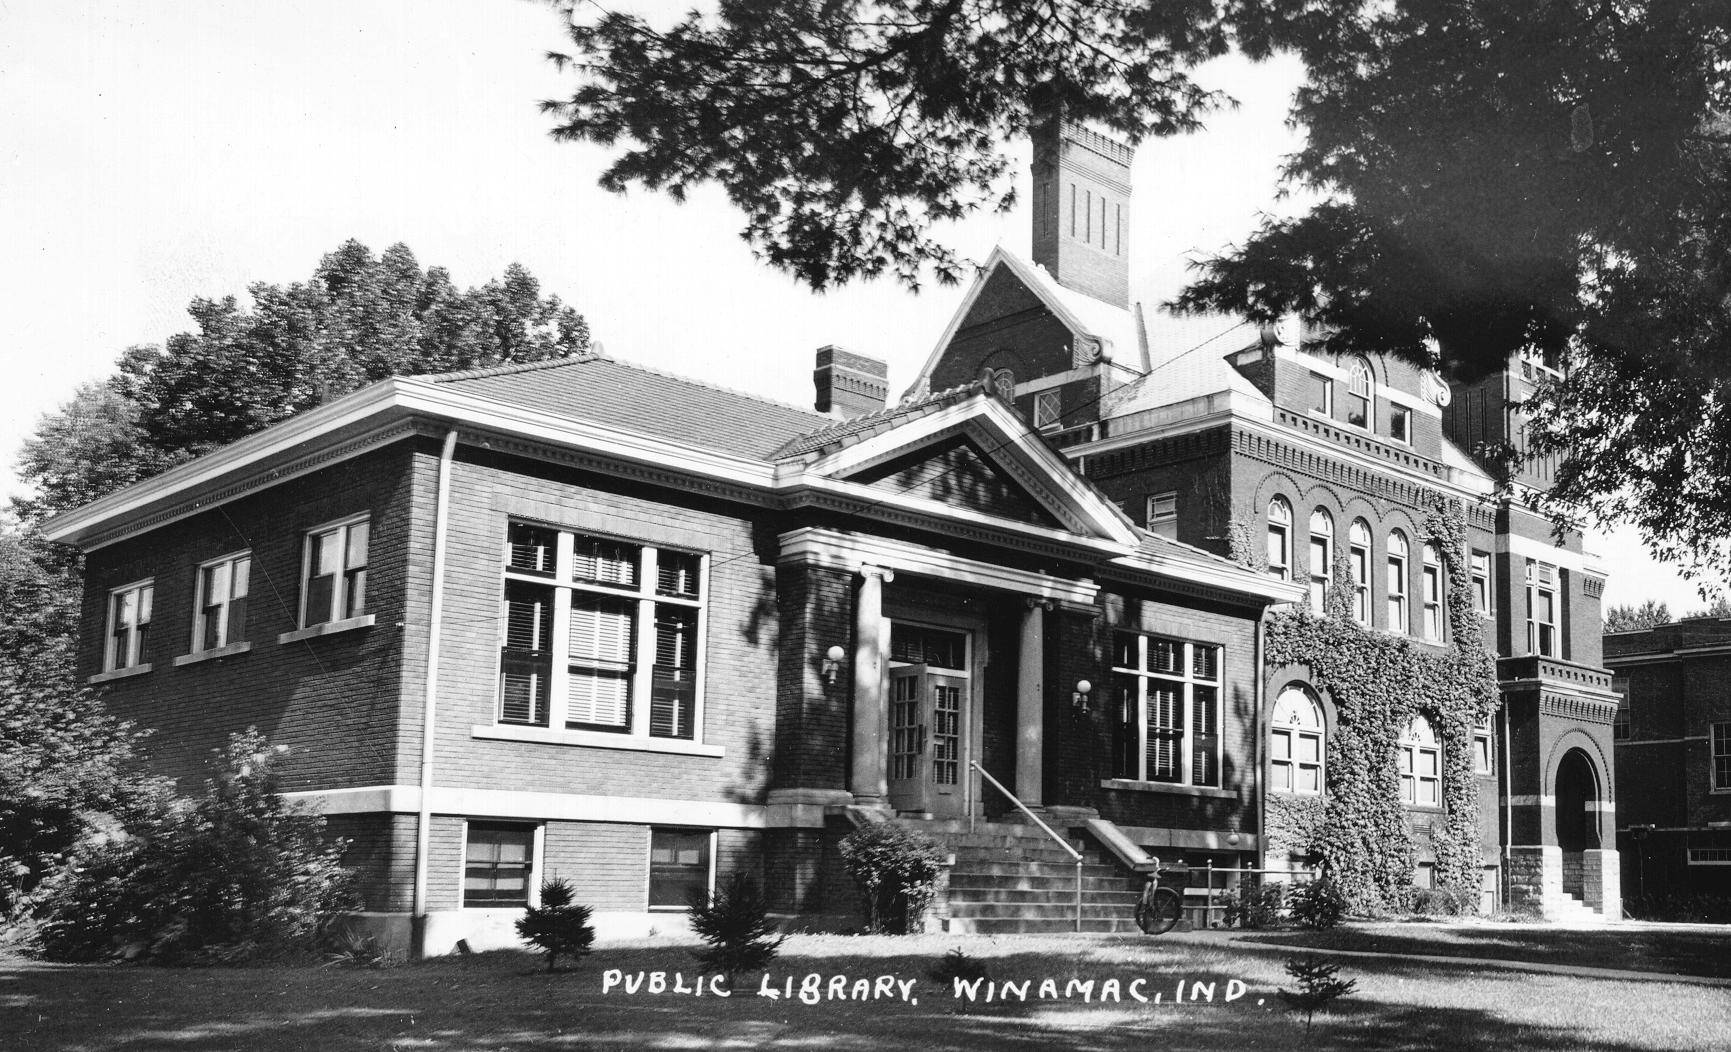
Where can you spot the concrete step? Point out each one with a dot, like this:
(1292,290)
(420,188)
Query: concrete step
(1043,910)
(980,887)
(1115,899)
(1037,925)
(982,868)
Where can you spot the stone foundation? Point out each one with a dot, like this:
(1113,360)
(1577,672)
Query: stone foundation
(1602,882)
(1536,878)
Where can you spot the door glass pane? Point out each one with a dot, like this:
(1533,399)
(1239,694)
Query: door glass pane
(946,734)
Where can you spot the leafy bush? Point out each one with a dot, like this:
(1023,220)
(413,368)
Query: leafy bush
(735,923)
(958,965)
(559,925)
(1441,902)
(236,874)
(1681,906)
(1316,903)
(896,870)
(1251,906)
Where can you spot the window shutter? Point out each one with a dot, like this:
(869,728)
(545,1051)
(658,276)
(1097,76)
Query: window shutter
(676,574)
(604,562)
(600,690)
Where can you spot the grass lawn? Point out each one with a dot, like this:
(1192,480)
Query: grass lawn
(507,1001)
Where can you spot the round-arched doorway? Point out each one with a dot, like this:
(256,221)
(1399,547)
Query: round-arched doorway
(1577,816)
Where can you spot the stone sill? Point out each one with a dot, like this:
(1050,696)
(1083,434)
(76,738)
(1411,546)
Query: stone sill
(120,673)
(329,628)
(1167,787)
(212,654)
(593,739)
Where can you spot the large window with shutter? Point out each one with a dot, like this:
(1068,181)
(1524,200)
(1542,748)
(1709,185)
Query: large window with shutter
(601,634)
(1167,698)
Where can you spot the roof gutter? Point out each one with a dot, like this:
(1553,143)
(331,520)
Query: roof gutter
(429,707)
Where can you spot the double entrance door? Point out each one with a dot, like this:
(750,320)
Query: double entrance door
(929,716)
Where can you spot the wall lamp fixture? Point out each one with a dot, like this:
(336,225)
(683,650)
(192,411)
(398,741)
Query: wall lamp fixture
(832,663)
(1079,699)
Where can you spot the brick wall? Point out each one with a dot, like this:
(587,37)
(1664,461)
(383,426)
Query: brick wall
(336,701)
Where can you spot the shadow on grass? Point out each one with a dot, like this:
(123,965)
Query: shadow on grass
(1698,953)
(507,1000)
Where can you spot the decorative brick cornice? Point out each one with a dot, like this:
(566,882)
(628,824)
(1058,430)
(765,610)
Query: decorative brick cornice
(1579,709)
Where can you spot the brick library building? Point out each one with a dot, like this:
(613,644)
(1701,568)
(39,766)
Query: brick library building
(585,619)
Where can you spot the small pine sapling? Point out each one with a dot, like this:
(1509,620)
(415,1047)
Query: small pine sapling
(958,965)
(559,926)
(735,923)
(1317,983)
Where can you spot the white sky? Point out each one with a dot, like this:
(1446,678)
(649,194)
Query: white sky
(150,153)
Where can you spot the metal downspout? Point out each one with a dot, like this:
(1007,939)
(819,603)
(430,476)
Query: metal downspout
(1508,805)
(1261,779)
(435,615)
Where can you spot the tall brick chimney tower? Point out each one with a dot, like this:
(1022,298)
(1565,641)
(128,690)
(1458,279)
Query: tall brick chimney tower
(849,384)
(1082,209)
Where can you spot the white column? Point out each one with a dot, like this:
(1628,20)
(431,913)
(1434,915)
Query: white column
(1031,703)
(870,725)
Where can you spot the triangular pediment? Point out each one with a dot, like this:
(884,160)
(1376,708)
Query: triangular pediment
(957,471)
(977,459)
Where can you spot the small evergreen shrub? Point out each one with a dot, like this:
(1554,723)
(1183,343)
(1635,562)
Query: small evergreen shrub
(1316,903)
(896,870)
(958,965)
(1317,983)
(235,875)
(735,923)
(1254,907)
(559,926)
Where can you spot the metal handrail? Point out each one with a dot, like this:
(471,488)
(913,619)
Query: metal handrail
(1061,842)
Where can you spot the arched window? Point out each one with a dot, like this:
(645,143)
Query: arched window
(1420,765)
(1321,555)
(1280,538)
(1397,556)
(1295,743)
(1432,597)
(1359,385)
(1358,558)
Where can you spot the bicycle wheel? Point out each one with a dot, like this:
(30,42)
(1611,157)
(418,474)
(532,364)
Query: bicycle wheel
(1159,916)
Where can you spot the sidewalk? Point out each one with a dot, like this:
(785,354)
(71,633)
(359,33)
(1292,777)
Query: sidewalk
(1258,941)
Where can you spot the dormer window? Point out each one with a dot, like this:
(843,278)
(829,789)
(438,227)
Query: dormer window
(1359,385)
(1048,409)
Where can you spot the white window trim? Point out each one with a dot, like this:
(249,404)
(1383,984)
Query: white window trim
(134,665)
(1483,731)
(1282,569)
(1358,566)
(226,646)
(1489,610)
(337,588)
(538,873)
(637,736)
(1535,588)
(1169,521)
(649,860)
(1405,440)
(1713,756)
(1431,570)
(1294,731)
(1327,410)
(1048,409)
(1410,746)
(1399,609)
(1187,751)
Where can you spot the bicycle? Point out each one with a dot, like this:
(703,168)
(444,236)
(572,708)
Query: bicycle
(1159,909)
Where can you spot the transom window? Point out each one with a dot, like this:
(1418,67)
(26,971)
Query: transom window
(1295,754)
(1358,561)
(1167,693)
(678,867)
(223,586)
(1321,556)
(1541,608)
(1433,591)
(1420,765)
(498,864)
(600,634)
(1279,538)
(334,581)
(1359,385)
(1397,556)
(1163,515)
(129,610)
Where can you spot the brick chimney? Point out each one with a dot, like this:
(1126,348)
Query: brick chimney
(1082,209)
(849,384)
